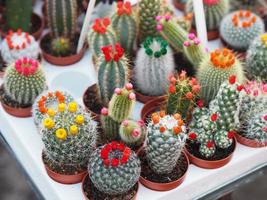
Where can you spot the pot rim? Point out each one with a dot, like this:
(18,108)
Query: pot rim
(17,112)
(249,142)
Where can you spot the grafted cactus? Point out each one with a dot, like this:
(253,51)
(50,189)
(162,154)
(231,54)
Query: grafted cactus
(114,169)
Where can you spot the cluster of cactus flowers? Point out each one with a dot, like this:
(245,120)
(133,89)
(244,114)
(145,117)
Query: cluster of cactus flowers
(182,95)
(101,34)
(24,80)
(215,69)
(17,45)
(240,28)
(154,63)
(113,71)
(114,168)
(256,61)
(69,136)
(166,137)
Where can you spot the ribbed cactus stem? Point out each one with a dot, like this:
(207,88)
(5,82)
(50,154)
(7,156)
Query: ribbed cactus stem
(194,51)
(122,103)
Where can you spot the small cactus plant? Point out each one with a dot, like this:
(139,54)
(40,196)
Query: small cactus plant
(113,71)
(153,65)
(101,34)
(124,23)
(240,28)
(61,46)
(147,11)
(166,136)
(17,45)
(24,80)
(46,104)
(183,92)
(215,69)
(256,59)
(114,169)
(69,137)
(214,10)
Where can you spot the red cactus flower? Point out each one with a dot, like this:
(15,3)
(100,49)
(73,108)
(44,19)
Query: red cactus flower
(110,54)
(189,95)
(104,153)
(265,117)
(115,162)
(210,144)
(124,8)
(124,159)
(200,103)
(240,88)
(114,145)
(192,136)
(231,134)
(106,162)
(121,147)
(214,117)
(196,88)
(172,89)
(232,79)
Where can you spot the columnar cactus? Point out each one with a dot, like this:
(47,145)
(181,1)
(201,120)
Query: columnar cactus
(215,69)
(17,45)
(214,10)
(69,136)
(147,11)
(193,50)
(132,133)
(183,92)
(227,104)
(18,14)
(240,28)
(113,71)
(61,46)
(172,32)
(124,23)
(46,104)
(154,63)
(256,59)
(62,17)
(114,169)
(24,80)
(166,136)
(101,34)
(122,103)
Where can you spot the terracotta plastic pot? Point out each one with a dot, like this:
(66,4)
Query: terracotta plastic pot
(249,142)
(65,179)
(165,186)
(207,164)
(61,61)
(18,112)
(83,182)
(144,98)
(179,5)
(152,106)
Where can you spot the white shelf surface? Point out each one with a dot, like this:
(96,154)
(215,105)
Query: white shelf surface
(22,136)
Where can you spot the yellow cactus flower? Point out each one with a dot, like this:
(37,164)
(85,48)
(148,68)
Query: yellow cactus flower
(79,119)
(62,41)
(61,107)
(61,134)
(48,123)
(74,130)
(72,106)
(51,112)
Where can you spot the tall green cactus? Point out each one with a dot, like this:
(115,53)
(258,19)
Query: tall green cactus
(18,14)
(62,17)
(124,23)
(215,69)
(24,80)
(113,71)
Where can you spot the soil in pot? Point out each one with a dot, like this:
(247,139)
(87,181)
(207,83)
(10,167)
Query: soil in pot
(92,193)
(148,174)
(220,154)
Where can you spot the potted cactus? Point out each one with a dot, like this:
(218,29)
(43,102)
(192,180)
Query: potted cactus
(113,72)
(164,164)
(23,81)
(114,171)
(69,137)
(238,29)
(60,44)
(19,14)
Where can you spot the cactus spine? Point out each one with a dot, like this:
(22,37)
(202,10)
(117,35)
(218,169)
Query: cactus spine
(147,11)
(123,22)
(154,63)
(183,92)
(114,169)
(215,69)
(240,28)
(113,71)
(256,60)
(18,14)
(24,80)
(101,34)
(165,142)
